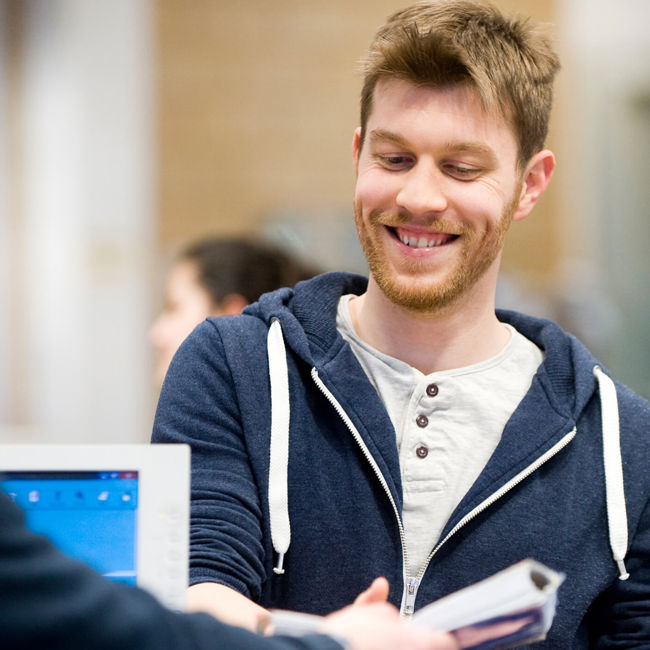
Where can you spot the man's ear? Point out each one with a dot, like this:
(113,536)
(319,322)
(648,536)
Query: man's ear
(356,148)
(536,178)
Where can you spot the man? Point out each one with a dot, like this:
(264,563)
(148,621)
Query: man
(50,601)
(420,435)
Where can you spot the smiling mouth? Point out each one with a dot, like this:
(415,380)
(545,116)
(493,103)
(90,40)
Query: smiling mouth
(423,240)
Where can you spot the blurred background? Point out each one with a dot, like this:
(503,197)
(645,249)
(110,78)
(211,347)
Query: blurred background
(132,126)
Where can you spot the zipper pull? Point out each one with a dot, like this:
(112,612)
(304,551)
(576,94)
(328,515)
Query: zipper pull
(410,593)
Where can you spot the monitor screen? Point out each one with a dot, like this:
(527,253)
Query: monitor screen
(121,509)
(91,516)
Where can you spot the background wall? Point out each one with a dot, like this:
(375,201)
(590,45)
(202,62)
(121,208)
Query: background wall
(604,138)
(78,219)
(135,125)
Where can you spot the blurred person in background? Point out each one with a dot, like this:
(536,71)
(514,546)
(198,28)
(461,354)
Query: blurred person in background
(217,276)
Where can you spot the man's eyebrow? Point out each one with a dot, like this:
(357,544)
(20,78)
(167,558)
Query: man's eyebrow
(470,147)
(383,135)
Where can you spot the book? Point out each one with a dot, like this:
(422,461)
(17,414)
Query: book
(512,607)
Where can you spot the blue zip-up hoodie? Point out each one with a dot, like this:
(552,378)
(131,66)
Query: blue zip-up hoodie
(336,521)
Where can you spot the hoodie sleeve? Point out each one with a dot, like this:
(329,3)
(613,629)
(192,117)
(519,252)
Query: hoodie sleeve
(198,405)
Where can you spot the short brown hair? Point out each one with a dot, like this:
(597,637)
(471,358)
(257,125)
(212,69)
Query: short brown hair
(245,266)
(440,43)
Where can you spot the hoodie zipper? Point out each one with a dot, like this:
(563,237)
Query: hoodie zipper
(366,452)
(495,496)
(412,584)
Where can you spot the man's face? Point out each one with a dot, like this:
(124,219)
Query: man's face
(437,187)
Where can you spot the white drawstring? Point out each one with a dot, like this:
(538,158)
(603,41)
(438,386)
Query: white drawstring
(279,457)
(614,486)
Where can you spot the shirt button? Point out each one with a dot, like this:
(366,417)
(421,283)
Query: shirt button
(432,390)
(422,421)
(422,451)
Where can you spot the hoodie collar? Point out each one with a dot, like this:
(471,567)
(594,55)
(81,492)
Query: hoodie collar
(566,374)
(307,315)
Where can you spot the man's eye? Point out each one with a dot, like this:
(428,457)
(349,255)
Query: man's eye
(394,161)
(461,172)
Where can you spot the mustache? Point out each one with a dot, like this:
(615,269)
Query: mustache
(394,220)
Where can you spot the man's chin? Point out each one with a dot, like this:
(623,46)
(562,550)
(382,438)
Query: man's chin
(418,297)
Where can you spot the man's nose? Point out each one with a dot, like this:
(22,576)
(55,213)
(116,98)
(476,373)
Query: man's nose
(422,192)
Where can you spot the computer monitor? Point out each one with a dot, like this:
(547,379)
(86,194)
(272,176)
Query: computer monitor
(122,509)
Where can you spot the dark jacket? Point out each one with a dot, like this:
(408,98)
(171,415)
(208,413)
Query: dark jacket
(541,495)
(51,602)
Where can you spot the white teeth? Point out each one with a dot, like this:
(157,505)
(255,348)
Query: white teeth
(421,242)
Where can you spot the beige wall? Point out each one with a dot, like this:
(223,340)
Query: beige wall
(258,102)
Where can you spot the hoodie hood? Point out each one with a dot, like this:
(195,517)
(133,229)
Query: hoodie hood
(567,369)
(300,313)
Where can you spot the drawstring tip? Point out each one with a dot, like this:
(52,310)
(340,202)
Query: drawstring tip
(279,568)
(623,574)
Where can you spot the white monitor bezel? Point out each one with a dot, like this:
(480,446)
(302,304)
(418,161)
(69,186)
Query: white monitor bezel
(163,501)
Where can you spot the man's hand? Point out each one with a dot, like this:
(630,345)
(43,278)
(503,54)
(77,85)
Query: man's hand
(369,624)
(377,592)
(224,603)
(378,626)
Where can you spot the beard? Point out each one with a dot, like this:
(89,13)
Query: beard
(418,290)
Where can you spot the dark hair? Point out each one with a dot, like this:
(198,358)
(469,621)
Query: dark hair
(235,265)
(509,61)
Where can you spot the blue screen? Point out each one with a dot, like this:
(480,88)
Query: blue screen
(91,516)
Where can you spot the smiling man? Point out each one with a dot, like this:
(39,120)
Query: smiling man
(398,425)
(433,205)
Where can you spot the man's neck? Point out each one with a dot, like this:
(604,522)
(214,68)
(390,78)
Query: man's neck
(459,335)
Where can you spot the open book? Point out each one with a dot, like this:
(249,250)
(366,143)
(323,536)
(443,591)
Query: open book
(510,608)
